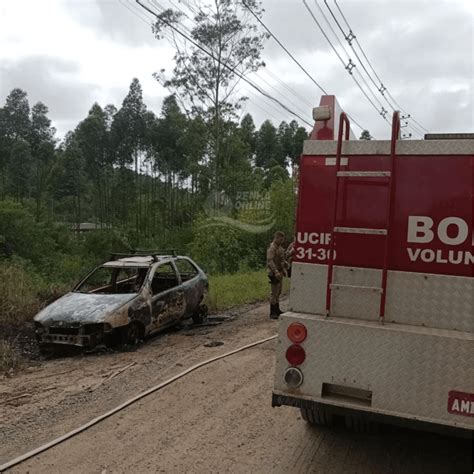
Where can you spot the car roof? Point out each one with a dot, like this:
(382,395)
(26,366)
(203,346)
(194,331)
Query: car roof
(144,261)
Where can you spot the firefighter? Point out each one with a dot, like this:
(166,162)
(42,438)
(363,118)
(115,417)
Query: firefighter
(289,254)
(276,272)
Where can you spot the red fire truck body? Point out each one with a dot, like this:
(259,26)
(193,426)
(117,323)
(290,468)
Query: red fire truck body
(381,320)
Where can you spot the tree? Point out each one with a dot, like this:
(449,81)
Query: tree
(4,152)
(128,127)
(17,115)
(74,176)
(365,135)
(109,110)
(283,206)
(93,139)
(14,125)
(268,150)
(291,138)
(168,139)
(42,143)
(205,77)
(128,142)
(19,169)
(248,135)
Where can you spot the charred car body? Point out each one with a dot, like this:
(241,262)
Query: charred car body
(124,300)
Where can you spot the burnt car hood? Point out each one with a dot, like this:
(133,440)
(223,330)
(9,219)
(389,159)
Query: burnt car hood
(81,308)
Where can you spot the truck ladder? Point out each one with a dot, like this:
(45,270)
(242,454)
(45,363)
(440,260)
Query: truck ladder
(344,125)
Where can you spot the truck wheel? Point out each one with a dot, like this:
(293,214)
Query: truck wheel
(360,424)
(201,314)
(317,416)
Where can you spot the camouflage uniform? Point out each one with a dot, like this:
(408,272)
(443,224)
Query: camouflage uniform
(289,254)
(275,264)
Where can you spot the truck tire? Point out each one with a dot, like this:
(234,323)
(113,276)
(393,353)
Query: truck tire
(317,416)
(360,424)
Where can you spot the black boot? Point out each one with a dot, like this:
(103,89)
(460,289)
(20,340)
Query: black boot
(274,311)
(278,310)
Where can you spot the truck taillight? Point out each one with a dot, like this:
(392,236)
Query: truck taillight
(295,355)
(293,377)
(296,332)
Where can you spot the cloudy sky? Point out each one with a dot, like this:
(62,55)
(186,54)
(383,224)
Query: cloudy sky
(72,53)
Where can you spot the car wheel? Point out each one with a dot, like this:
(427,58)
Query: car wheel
(201,314)
(132,333)
(46,351)
(317,416)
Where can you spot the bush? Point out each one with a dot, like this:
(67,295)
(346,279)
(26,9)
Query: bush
(218,248)
(22,236)
(19,290)
(10,357)
(101,243)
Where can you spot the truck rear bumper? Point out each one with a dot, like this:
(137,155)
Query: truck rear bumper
(279,400)
(391,370)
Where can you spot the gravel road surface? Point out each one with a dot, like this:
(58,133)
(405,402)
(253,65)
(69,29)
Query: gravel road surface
(216,419)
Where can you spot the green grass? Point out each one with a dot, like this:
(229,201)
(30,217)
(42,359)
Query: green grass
(227,291)
(10,357)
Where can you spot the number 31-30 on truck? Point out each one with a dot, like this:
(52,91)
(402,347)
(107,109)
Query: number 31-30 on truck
(381,320)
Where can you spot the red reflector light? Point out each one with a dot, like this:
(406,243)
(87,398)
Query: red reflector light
(295,355)
(296,332)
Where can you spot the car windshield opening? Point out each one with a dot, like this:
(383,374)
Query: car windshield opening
(114,280)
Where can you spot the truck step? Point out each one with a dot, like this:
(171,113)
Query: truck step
(337,286)
(364,174)
(360,230)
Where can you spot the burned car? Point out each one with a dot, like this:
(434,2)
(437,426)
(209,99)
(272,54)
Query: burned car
(124,300)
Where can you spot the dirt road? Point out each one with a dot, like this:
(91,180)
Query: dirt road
(217,419)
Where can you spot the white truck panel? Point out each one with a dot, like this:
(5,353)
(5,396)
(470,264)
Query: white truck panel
(409,370)
(437,301)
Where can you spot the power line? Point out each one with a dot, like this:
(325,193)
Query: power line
(257,74)
(233,70)
(283,47)
(137,13)
(255,101)
(349,38)
(300,109)
(162,9)
(349,66)
(352,37)
(302,99)
(293,58)
(350,61)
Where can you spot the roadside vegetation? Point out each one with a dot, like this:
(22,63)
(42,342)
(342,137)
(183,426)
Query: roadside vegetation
(227,291)
(200,177)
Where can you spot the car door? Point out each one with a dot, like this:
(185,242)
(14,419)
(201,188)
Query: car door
(190,283)
(167,301)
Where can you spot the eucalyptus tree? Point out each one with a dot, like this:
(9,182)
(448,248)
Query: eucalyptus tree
(225,45)
(93,138)
(14,125)
(43,143)
(128,143)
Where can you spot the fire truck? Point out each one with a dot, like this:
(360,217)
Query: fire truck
(381,319)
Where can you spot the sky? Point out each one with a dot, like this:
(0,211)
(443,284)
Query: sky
(72,53)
